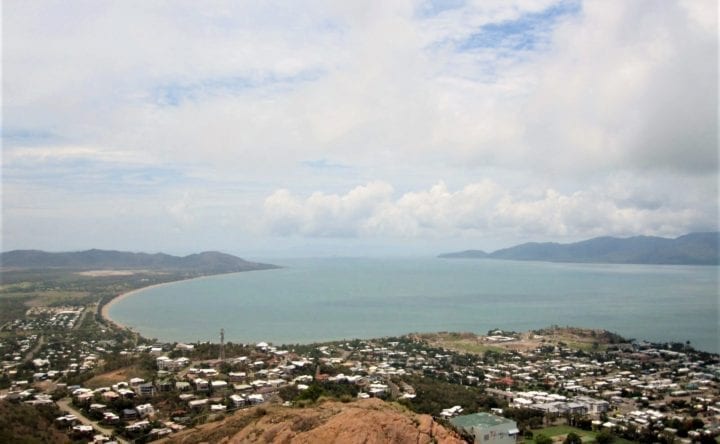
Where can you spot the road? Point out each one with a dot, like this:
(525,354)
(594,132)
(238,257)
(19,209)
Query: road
(35,349)
(84,313)
(65,405)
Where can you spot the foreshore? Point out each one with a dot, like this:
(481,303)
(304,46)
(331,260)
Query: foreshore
(105,312)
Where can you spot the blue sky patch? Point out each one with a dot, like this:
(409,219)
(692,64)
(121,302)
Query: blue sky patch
(432,8)
(526,33)
(18,136)
(174,94)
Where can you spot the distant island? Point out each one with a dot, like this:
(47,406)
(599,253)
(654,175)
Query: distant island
(207,262)
(690,249)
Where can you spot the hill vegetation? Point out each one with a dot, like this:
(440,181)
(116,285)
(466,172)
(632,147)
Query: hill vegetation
(690,249)
(209,261)
(23,423)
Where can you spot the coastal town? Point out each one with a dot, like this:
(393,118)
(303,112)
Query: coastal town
(93,381)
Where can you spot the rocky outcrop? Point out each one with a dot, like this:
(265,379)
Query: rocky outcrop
(369,421)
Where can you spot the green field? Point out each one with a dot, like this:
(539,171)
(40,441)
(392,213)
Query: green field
(562,430)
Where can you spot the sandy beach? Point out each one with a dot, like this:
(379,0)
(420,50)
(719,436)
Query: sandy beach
(105,312)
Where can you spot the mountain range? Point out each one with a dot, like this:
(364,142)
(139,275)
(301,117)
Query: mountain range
(690,249)
(209,261)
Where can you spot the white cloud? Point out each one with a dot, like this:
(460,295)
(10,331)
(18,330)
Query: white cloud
(476,210)
(159,100)
(610,88)
(325,215)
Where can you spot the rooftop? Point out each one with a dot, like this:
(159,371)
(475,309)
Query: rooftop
(480,420)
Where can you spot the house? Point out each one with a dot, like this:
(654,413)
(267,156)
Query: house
(159,432)
(110,418)
(129,414)
(182,386)
(67,420)
(97,407)
(82,430)
(452,411)
(219,385)
(255,399)
(134,382)
(109,396)
(197,403)
(237,400)
(84,398)
(146,389)
(218,408)
(165,363)
(237,376)
(138,426)
(201,385)
(145,410)
(487,429)
(165,385)
(594,406)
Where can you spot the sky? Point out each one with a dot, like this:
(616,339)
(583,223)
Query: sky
(326,128)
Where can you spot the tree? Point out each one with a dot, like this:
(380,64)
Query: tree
(572,438)
(604,437)
(542,439)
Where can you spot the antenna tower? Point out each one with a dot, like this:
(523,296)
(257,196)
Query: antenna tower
(222,344)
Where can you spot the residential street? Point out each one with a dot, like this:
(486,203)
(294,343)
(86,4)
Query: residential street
(65,405)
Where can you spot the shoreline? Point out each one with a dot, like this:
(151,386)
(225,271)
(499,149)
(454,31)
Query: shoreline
(105,312)
(700,343)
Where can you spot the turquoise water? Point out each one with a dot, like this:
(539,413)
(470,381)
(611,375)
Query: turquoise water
(326,299)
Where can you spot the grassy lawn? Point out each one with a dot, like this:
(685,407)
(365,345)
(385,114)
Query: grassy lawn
(562,431)
(559,432)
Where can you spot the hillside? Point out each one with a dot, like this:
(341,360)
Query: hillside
(209,261)
(370,421)
(690,249)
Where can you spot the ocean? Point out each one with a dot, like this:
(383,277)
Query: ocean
(313,300)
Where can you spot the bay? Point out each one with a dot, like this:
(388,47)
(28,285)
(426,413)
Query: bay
(342,298)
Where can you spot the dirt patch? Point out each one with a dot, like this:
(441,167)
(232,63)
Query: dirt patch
(113,377)
(571,337)
(100,273)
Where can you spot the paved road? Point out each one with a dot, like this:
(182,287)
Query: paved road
(81,318)
(65,405)
(35,349)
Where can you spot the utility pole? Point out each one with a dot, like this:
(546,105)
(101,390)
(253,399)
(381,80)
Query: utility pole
(222,345)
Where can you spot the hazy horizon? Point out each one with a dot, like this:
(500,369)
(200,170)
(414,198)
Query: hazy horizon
(315,251)
(361,129)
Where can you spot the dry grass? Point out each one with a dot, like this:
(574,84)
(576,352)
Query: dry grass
(115,376)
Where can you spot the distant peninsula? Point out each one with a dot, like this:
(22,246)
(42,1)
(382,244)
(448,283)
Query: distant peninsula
(690,249)
(206,262)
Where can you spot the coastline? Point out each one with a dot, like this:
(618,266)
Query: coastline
(105,312)
(158,328)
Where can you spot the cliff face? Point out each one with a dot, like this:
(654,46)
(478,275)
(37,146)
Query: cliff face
(369,421)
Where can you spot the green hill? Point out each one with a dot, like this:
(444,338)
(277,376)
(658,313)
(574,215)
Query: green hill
(209,261)
(690,249)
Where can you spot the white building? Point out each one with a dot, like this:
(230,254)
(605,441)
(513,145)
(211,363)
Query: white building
(487,428)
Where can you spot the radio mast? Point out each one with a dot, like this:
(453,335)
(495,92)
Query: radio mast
(222,345)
